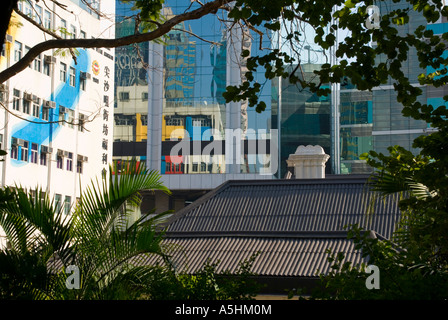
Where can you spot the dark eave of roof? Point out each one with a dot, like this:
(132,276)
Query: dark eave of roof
(268,234)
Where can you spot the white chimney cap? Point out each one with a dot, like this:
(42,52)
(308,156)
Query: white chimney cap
(309,149)
(308,162)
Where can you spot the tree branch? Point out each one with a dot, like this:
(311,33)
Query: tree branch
(41,27)
(210,7)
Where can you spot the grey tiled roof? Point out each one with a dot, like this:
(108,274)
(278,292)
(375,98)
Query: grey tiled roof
(301,255)
(291,223)
(288,205)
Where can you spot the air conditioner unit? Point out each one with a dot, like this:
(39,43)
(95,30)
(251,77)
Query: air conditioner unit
(46,149)
(4,87)
(36,99)
(14,141)
(50,104)
(28,96)
(66,153)
(60,153)
(49,59)
(8,38)
(62,109)
(20,142)
(85,75)
(3,96)
(82,158)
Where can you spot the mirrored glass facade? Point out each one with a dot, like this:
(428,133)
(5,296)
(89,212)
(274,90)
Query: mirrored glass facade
(374,120)
(170,111)
(305,118)
(131,91)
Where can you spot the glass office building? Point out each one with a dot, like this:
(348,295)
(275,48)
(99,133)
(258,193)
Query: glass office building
(356,123)
(169,108)
(131,91)
(390,127)
(374,120)
(304,117)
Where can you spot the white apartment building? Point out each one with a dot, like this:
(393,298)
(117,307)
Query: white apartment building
(57,115)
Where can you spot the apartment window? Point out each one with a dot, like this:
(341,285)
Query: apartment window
(16,100)
(71,118)
(18,47)
(36,109)
(195,167)
(203,167)
(82,34)
(72,76)
(124,96)
(63,72)
(81,122)
(201,122)
(61,115)
(59,162)
(72,32)
(28,9)
(63,29)
(34,152)
(43,158)
(26,106)
(174,121)
(47,19)
(14,151)
(46,69)
(38,63)
(144,119)
(24,151)
(144,96)
(79,166)
(25,52)
(45,113)
(38,14)
(70,162)
(58,202)
(67,204)
(82,84)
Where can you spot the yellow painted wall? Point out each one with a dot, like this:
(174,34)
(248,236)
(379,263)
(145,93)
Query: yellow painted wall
(141,131)
(14,29)
(167,130)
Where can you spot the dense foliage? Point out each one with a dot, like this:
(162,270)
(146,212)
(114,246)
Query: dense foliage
(414,263)
(94,253)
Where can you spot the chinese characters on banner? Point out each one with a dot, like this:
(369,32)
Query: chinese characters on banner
(105,116)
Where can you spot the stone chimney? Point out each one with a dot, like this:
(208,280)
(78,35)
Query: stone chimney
(308,162)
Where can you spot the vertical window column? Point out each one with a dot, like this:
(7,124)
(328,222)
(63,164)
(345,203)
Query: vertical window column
(34,148)
(70,162)
(24,151)
(67,204)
